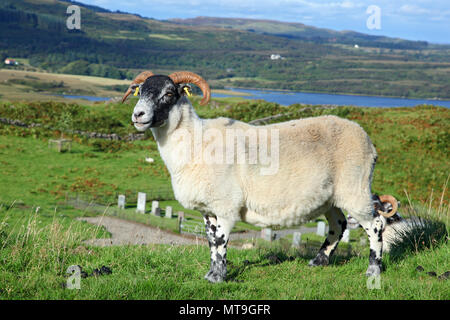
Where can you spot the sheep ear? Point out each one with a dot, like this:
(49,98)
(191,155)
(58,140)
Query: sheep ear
(185,89)
(136,88)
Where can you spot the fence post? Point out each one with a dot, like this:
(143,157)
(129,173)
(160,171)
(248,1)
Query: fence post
(168,212)
(141,202)
(266,234)
(320,228)
(296,239)
(121,201)
(156,211)
(180,215)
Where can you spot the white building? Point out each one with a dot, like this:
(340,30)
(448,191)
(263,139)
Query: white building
(276,57)
(11,62)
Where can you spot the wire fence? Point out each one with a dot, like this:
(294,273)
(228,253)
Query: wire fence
(160,194)
(85,202)
(81,202)
(192,227)
(188,226)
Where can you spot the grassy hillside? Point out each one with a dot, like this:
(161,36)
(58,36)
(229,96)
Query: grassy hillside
(118,45)
(304,32)
(411,145)
(37,245)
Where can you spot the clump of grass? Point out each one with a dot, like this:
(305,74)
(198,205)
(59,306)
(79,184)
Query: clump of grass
(29,247)
(421,234)
(427,228)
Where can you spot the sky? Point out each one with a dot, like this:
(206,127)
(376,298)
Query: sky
(427,20)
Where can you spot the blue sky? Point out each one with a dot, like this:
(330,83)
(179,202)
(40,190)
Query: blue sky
(409,19)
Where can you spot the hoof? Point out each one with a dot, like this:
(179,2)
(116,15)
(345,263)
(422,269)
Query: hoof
(214,277)
(373,271)
(319,260)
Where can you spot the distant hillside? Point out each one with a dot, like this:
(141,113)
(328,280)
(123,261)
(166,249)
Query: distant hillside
(303,32)
(227,52)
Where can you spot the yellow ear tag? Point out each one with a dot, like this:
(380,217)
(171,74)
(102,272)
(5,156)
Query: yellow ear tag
(187,91)
(136,91)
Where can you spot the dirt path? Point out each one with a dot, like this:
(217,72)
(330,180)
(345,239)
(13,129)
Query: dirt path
(127,232)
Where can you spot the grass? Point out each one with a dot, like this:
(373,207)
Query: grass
(37,246)
(173,37)
(411,143)
(429,228)
(35,256)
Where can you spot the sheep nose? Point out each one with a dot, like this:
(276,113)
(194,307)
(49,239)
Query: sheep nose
(139,114)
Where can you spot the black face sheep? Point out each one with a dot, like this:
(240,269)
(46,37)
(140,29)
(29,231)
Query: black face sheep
(282,174)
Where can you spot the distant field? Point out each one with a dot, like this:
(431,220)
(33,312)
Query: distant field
(167,37)
(71,85)
(31,89)
(226,52)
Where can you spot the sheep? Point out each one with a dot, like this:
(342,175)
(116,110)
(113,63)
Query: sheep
(324,165)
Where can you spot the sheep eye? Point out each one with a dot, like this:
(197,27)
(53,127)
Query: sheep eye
(169,94)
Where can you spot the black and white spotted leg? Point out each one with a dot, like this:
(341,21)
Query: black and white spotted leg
(337,225)
(218,233)
(374,231)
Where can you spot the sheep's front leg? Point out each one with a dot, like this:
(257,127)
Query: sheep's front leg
(218,232)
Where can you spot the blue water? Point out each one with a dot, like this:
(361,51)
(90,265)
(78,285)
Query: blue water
(89,98)
(288,98)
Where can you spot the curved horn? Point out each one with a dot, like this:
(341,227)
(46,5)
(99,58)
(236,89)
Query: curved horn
(140,78)
(190,77)
(392,201)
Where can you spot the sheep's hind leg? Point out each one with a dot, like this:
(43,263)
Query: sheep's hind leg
(337,224)
(218,232)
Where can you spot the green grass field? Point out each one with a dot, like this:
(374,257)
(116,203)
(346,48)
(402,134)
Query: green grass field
(35,257)
(36,248)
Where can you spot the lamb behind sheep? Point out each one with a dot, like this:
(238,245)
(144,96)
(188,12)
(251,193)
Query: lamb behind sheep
(325,165)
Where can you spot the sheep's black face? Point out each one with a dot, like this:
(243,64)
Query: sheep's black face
(157,96)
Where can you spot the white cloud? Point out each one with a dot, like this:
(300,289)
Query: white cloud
(413,9)
(399,17)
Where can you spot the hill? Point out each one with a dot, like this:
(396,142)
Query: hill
(228,52)
(304,32)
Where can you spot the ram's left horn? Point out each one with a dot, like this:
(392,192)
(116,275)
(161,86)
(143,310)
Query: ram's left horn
(392,201)
(138,80)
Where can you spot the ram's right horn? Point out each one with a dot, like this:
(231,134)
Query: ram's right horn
(137,81)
